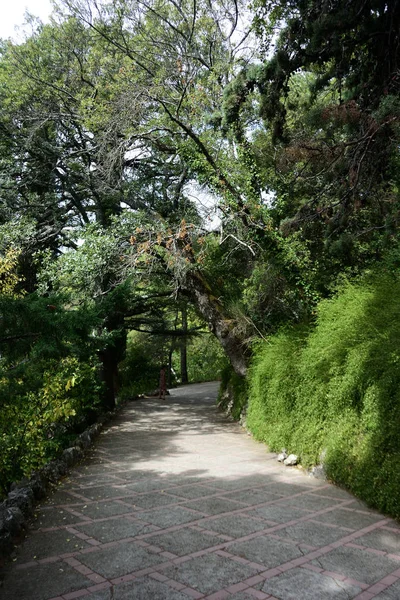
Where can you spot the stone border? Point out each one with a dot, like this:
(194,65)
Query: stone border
(18,507)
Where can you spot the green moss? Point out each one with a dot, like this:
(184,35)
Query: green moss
(233,392)
(335,388)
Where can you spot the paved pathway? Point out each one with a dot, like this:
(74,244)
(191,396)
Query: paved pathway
(175,502)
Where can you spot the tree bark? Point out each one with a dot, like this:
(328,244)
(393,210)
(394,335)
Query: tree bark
(109,375)
(218,321)
(183,348)
(169,372)
(110,356)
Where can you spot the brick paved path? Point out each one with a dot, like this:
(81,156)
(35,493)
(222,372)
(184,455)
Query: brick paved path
(176,502)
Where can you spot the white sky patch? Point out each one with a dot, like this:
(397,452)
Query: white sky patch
(12,15)
(268,198)
(141,151)
(206,203)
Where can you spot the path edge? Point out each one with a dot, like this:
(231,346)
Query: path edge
(18,507)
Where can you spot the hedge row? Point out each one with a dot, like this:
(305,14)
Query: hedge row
(331,392)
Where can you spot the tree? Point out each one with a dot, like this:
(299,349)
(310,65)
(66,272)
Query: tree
(133,104)
(324,137)
(176,59)
(57,180)
(328,99)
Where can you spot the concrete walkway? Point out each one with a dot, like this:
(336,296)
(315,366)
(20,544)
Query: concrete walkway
(176,502)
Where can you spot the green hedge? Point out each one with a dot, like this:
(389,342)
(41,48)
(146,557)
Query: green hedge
(335,389)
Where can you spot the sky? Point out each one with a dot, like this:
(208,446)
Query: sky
(12,14)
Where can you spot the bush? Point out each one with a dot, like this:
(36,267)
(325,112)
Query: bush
(336,389)
(274,380)
(42,411)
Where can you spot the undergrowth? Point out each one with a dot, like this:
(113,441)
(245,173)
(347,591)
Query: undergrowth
(42,412)
(334,389)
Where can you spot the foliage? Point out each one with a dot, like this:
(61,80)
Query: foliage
(43,406)
(9,277)
(49,379)
(282,117)
(205,359)
(323,141)
(273,381)
(334,389)
(140,369)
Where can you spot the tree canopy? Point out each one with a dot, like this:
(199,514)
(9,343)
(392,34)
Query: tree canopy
(165,156)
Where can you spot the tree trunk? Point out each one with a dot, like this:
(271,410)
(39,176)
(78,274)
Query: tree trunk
(169,372)
(218,321)
(183,348)
(109,375)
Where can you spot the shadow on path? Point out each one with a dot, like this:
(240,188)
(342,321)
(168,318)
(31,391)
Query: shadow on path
(177,502)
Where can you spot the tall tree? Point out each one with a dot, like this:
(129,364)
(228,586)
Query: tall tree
(175,60)
(324,101)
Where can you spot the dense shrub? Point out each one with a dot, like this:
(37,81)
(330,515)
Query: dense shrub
(41,411)
(273,381)
(336,390)
(49,379)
